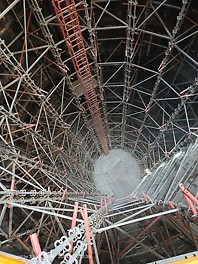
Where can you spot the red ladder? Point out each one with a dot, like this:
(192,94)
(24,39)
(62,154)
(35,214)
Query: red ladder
(67,17)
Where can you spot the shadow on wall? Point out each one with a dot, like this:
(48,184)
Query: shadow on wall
(117,174)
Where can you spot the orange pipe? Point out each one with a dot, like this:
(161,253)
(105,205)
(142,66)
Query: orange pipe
(87,231)
(35,244)
(187,193)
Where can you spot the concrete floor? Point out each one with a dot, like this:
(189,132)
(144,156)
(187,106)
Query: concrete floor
(116,174)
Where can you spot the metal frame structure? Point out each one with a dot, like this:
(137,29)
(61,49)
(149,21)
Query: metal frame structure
(118,82)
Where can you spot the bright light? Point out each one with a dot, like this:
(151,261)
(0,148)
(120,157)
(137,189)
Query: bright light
(147,171)
(178,154)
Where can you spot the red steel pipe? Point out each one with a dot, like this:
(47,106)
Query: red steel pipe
(192,207)
(147,198)
(35,244)
(88,235)
(188,194)
(190,198)
(173,207)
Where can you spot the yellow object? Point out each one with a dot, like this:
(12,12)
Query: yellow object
(6,259)
(192,260)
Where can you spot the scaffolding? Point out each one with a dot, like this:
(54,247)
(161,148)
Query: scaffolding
(136,65)
(152,225)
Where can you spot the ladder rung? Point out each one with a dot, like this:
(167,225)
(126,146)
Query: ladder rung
(73,28)
(85,77)
(59,1)
(80,52)
(83,62)
(78,56)
(69,15)
(85,67)
(74,35)
(75,39)
(71,5)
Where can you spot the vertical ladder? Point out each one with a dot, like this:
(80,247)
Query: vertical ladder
(67,17)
